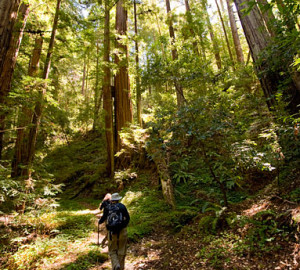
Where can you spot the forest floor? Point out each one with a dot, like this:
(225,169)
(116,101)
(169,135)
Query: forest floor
(259,232)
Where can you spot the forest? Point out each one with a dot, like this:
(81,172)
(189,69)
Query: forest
(188,109)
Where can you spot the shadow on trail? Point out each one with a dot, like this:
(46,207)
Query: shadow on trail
(86,261)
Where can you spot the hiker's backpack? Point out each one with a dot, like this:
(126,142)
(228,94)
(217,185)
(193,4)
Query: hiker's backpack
(114,219)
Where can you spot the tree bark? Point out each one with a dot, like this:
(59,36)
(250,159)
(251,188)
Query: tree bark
(97,92)
(258,39)
(11,34)
(178,86)
(268,16)
(166,183)
(83,78)
(123,107)
(8,16)
(137,67)
(21,156)
(235,35)
(225,33)
(107,96)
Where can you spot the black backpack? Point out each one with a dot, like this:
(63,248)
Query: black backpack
(114,219)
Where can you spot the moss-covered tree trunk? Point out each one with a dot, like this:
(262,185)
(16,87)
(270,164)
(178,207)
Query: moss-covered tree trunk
(123,105)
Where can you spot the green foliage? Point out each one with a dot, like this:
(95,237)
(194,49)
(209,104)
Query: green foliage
(217,251)
(30,256)
(58,231)
(295,195)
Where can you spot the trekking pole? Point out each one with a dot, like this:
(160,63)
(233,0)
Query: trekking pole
(98,234)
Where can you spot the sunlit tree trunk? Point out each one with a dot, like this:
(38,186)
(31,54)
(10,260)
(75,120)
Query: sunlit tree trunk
(178,86)
(123,108)
(97,93)
(107,97)
(40,103)
(212,37)
(235,35)
(137,67)
(225,33)
(21,156)
(11,33)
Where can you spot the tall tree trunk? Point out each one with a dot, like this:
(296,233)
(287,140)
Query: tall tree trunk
(235,35)
(258,39)
(107,97)
(268,16)
(11,34)
(97,94)
(8,16)
(123,108)
(40,103)
(137,67)
(178,86)
(21,156)
(212,37)
(225,33)
(83,78)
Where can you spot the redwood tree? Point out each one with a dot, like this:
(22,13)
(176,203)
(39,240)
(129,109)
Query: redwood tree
(259,39)
(123,105)
(11,34)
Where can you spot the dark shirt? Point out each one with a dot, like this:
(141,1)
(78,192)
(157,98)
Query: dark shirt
(104,204)
(122,209)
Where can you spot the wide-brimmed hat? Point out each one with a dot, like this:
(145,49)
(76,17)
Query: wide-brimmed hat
(115,197)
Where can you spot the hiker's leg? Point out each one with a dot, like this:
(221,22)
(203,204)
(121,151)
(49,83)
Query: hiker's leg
(113,251)
(121,259)
(122,247)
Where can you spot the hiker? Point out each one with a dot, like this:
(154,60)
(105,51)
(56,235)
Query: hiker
(105,203)
(117,219)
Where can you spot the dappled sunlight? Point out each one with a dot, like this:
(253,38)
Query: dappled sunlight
(131,197)
(256,208)
(85,212)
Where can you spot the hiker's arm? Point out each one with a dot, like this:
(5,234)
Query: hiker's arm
(104,217)
(126,215)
